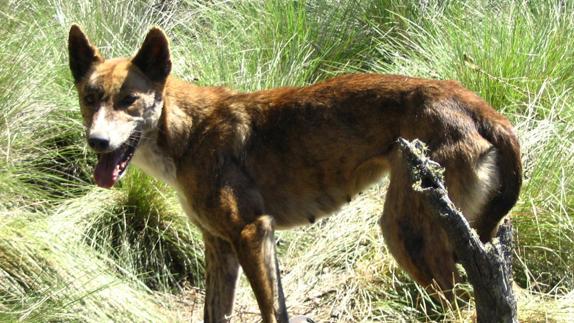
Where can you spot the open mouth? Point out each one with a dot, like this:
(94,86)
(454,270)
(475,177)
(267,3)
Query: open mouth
(111,166)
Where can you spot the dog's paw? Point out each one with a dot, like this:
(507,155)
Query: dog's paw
(301,319)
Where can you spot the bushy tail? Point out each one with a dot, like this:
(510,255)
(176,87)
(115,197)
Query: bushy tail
(502,137)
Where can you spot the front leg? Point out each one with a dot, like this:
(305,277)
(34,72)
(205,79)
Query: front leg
(232,209)
(255,249)
(221,279)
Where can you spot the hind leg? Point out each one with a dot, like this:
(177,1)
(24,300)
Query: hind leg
(416,241)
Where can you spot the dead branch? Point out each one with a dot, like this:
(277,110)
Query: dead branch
(488,266)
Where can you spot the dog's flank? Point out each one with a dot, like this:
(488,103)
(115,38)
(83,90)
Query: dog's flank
(246,164)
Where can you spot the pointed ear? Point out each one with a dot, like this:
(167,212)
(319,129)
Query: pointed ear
(153,57)
(82,54)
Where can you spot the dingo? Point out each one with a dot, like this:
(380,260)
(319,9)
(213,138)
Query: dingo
(247,164)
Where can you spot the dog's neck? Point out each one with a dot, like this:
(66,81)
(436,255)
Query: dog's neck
(184,106)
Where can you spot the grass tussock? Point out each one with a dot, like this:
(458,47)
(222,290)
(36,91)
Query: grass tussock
(47,278)
(72,252)
(144,233)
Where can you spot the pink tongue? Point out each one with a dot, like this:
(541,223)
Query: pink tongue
(107,170)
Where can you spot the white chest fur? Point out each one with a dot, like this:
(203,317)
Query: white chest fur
(150,158)
(154,162)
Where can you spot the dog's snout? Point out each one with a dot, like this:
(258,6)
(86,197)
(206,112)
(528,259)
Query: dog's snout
(99,143)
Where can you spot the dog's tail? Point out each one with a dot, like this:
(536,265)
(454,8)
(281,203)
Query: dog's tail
(499,132)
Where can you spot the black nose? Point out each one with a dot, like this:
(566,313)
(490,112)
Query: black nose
(98,143)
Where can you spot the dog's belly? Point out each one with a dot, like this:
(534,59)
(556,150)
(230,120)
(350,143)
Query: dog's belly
(289,210)
(301,200)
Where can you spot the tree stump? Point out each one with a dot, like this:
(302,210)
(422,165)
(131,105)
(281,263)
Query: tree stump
(488,266)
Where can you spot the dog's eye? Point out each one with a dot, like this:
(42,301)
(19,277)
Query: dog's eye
(90,99)
(128,100)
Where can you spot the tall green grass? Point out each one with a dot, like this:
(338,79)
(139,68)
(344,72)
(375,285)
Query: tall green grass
(73,252)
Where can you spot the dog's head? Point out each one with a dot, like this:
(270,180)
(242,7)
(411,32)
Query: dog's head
(121,99)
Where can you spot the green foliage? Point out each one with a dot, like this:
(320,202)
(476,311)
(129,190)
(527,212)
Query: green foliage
(73,252)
